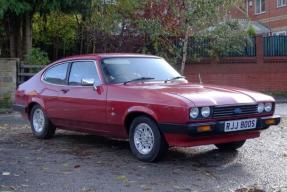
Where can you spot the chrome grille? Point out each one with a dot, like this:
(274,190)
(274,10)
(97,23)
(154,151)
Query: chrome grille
(234,110)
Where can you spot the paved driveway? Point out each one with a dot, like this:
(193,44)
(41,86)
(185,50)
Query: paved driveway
(85,163)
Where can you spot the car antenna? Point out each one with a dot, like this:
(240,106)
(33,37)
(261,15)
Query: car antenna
(199,78)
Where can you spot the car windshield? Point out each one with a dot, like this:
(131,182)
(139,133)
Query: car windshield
(124,69)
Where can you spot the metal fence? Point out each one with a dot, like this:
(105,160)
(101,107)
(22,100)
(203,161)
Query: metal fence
(200,48)
(275,46)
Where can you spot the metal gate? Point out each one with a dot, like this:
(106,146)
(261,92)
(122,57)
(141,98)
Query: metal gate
(26,71)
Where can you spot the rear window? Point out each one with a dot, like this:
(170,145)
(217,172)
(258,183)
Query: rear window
(56,74)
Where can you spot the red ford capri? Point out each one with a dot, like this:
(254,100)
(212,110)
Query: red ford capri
(140,98)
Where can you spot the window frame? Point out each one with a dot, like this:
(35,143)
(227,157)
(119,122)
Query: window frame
(103,73)
(281,5)
(261,12)
(69,72)
(52,66)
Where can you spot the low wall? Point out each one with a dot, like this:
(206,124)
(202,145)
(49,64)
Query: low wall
(7,77)
(269,75)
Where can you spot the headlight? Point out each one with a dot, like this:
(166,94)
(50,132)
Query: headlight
(194,112)
(205,111)
(268,107)
(260,108)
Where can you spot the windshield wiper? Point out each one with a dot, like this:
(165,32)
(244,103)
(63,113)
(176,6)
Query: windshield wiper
(174,78)
(139,79)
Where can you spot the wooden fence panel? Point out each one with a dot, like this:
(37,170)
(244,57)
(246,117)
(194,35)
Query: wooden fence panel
(26,71)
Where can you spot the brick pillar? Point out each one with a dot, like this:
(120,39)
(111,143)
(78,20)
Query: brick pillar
(259,49)
(7,77)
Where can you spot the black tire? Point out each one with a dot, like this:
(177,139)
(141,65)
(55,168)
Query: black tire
(48,130)
(159,145)
(230,146)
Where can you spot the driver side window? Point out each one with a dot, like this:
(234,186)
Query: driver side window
(83,70)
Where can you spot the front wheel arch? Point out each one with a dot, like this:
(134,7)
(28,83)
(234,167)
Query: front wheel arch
(132,115)
(159,147)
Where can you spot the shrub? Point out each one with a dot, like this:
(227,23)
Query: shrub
(6,101)
(251,31)
(36,57)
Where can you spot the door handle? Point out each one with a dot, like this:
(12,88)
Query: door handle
(65,90)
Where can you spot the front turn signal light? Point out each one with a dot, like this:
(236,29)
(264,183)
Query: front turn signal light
(204,128)
(270,122)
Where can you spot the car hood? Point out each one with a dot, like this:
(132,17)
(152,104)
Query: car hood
(208,95)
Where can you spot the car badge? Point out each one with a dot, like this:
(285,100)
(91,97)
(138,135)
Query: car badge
(237,111)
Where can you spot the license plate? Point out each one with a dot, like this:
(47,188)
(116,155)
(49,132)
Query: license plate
(240,125)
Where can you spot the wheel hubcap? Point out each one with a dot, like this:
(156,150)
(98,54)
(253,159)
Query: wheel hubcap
(38,120)
(143,138)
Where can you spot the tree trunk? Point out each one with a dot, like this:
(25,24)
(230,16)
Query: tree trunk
(27,33)
(12,37)
(55,49)
(19,36)
(184,51)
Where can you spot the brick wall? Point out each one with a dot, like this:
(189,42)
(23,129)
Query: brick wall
(268,76)
(7,77)
(257,73)
(274,17)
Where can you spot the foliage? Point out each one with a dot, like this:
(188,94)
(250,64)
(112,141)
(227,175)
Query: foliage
(56,29)
(36,57)
(226,38)
(6,101)
(14,6)
(158,27)
(251,31)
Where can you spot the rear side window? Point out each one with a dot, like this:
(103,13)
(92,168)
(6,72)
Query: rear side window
(57,74)
(83,70)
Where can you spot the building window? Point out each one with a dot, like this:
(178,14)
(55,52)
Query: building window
(281,3)
(260,6)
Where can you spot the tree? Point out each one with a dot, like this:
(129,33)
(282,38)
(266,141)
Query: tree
(206,18)
(18,15)
(187,20)
(57,30)
(18,24)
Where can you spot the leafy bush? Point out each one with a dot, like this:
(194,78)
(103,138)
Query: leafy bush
(251,31)
(6,101)
(36,57)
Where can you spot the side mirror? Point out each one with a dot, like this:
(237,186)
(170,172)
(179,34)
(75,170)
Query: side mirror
(91,82)
(88,82)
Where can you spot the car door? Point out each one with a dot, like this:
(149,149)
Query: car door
(84,106)
(55,79)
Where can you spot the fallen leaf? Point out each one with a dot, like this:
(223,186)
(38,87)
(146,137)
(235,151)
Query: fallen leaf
(23,185)
(45,168)
(77,166)
(124,179)
(6,173)
(146,188)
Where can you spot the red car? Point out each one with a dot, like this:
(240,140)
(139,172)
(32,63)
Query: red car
(143,99)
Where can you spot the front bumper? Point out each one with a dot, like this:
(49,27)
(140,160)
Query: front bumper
(216,128)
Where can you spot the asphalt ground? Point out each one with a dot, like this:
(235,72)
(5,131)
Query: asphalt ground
(87,163)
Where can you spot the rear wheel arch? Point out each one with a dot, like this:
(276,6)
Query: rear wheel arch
(30,107)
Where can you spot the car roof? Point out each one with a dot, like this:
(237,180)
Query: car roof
(99,56)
